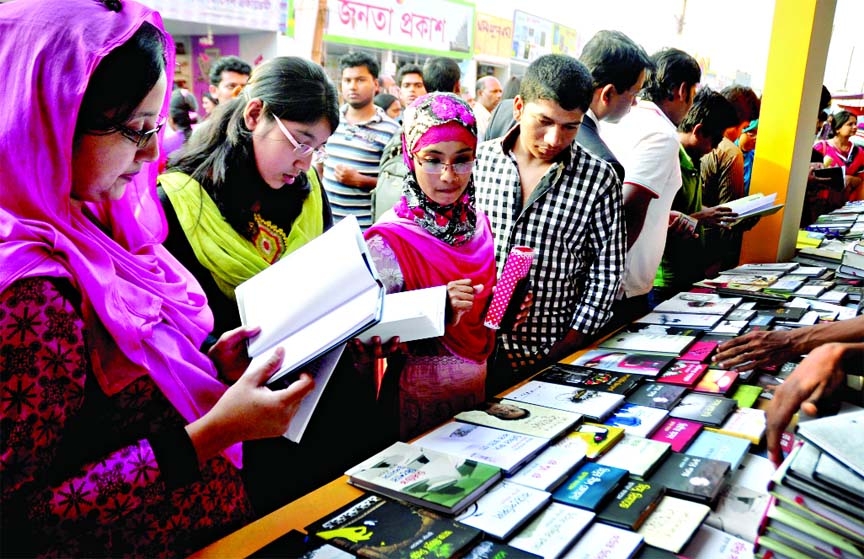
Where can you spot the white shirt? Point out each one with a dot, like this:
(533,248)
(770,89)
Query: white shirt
(646,143)
(483,117)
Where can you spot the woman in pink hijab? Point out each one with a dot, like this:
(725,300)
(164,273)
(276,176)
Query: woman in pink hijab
(119,437)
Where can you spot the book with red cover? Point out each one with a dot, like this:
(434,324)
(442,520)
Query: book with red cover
(683,373)
(678,432)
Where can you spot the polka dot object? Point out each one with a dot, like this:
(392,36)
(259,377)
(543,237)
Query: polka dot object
(515,268)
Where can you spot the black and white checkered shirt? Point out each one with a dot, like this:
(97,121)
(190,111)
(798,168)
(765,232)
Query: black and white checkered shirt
(574,222)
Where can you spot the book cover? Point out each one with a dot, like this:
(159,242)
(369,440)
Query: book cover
(840,436)
(597,438)
(631,506)
(591,486)
(603,541)
(300,545)
(494,550)
(553,530)
(424,477)
(593,404)
(321,369)
(729,327)
(683,373)
(821,513)
(746,395)
(648,342)
(835,473)
(739,511)
(692,477)
(741,314)
(797,530)
(503,449)
(698,303)
(521,417)
(679,433)
(720,447)
(704,408)
(749,423)
(657,395)
(592,379)
(716,381)
(637,420)
(700,351)
(711,543)
(623,362)
(762,267)
(637,455)
(507,290)
(412,315)
(379,528)
(673,523)
(503,509)
(698,321)
(553,465)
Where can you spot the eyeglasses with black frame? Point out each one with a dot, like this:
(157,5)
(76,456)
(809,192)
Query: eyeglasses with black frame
(437,167)
(300,150)
(139,137)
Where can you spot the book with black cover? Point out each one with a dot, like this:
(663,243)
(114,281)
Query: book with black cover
(657,395)
(592,379)
(632,505)
(379,528)
(704,408)
(302,546)
(494,550)
(692,477)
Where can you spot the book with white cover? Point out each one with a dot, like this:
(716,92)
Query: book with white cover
(673,523)
(412,315)
(590,403)
(637,455)
(711,543)
(552,466)
(505,508)
(321,370)
(603,541)
(698,303)
(683,320)
(313,299)
(491,446)
(753,205)
(648,342)
(553,530)
(521,417)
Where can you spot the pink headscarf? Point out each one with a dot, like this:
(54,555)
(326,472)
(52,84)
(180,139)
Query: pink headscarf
(147,313)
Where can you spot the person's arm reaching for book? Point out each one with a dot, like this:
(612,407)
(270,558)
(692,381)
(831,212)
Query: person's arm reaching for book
(775,347)
(821,373)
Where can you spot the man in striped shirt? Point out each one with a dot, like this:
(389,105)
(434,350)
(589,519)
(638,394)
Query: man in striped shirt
(541,189)
(354,150)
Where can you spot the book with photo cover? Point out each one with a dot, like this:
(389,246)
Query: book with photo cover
(637,455)
(597,438)
(710,444)
(553,465)
(692,477)
(632,505)
(698,303)
(673,523)
(657,395)
(717,381)
(380,528)
(590,486)
(424,477)
(488,549)
(521,417)
(683,373)
(593,404)
(604,541)
(552,531)
(679,433)
(637,420)
(592,379)
(623,362)
(698,321)
(502,510)
(297,544)
(704,408)
(503,449)
(648,342)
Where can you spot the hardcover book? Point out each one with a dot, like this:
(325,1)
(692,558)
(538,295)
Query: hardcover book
(424,477)
(698,303)
(623,362)
(593,404)
(749,423)
(553,530)
(637,420)
(711,543)
(553,465)
(494,550)
(700,351)
(603,541)
(679,433)
(632,505)
(720,447)
(648,342)
(716,381)
(692,477)
(376,527)
(589,378)
(698,321)
(673,523)
(704,408)
(503,509)
(657,395)
(840,436)
(591,486)
(521,417)
(503,449)
(412,315)
(597,438)
(683,373)
(637,455)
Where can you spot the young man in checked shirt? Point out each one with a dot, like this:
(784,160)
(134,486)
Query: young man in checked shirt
(541,189)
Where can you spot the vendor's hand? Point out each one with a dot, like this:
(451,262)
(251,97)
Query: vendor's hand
(229,353)
(461,296)
(365,355)
(757,349)
(249,410)
(812,178)
(815,378)
(717,216)
(524,310)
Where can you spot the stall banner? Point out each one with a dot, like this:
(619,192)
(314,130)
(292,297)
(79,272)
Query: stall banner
(532,36)
(263,15)
(493,36)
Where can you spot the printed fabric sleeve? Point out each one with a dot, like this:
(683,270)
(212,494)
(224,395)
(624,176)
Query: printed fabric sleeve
(47,490)
(386,263)
(607,242)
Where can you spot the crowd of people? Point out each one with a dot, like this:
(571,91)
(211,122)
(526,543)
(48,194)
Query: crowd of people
(132,422)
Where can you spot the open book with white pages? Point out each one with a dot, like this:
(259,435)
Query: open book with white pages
(312,300)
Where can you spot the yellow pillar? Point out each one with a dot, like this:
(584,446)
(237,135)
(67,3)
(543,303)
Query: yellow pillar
(800,36)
